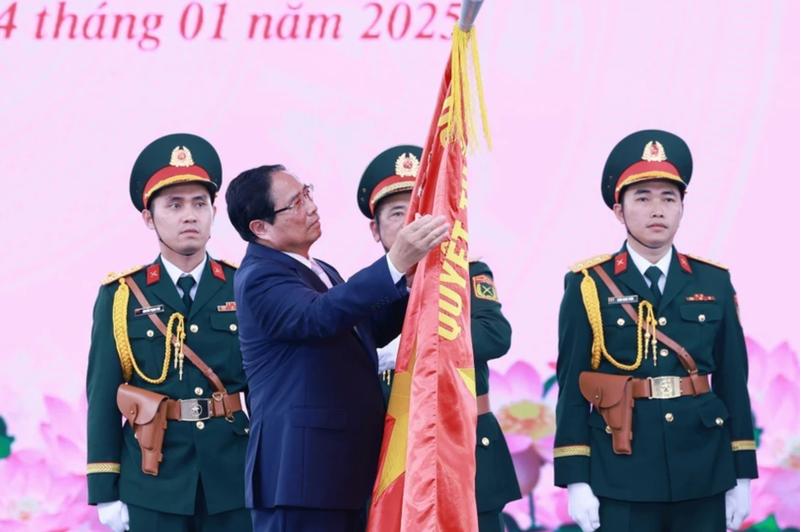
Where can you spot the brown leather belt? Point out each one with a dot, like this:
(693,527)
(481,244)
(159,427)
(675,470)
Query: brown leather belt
(201,409)
(669,387)
(483,404)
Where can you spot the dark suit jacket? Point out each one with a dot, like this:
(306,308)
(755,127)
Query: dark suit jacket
(310,357)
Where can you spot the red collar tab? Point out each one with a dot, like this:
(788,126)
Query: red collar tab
(216,269)
(153,274)
(684,262)
(621,263)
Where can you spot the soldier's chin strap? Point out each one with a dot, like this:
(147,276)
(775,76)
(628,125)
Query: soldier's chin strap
(626,229)
(632,236)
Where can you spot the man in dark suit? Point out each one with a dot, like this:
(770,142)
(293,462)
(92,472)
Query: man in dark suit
(309,348)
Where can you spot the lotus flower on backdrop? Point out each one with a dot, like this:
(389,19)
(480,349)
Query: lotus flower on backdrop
(775,396)
(36,497)
(527,417)
(64,434)
(549,502)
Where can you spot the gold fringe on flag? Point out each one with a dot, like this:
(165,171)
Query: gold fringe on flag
(465,44)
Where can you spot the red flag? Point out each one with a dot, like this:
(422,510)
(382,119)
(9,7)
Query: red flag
(426,477)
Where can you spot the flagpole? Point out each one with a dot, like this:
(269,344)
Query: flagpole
(469,12)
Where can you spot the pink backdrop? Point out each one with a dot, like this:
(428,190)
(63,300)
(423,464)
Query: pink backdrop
(564,81)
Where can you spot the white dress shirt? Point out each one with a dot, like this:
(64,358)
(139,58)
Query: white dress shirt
(642,264)
(176,273)
(396,275)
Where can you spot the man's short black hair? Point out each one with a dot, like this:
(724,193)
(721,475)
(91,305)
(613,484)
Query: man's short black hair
(249,197)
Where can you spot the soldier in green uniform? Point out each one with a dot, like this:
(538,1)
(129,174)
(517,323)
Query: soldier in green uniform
(384,194)
(641,332)
(140,341)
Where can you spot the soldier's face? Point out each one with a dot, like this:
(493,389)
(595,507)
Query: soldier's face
(391,218)
(652,211)
(296,228)
(182,215)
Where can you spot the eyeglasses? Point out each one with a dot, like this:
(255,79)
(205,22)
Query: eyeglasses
(306,194)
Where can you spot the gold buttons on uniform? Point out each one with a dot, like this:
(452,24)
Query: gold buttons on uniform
(234,327)
(608,429)
(621,322)
(662,321)
(193,328)
(719,421)
(669,417)
(701,318)
(150,333)
(664,352)
(198,391)
(201,425)
(485,441)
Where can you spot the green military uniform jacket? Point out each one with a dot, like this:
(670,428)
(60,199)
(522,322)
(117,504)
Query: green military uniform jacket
(212,450)
(685,447)
(496,482)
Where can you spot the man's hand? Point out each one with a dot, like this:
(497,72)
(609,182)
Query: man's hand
(387,356)
(415,240)
(584,508)
(737,504)
(114,515)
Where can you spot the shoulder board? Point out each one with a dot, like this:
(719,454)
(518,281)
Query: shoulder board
(706,261)
(588,263)
(111,277)
(233,265)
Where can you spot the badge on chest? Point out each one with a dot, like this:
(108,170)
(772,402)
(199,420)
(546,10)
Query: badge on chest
(145,311)
(621,300)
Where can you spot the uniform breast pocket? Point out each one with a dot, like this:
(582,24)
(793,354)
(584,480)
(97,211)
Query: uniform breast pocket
(147,344)
(702,321)
(619,332)
(225,341)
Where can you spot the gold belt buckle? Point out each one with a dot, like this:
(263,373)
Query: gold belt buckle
(664,387)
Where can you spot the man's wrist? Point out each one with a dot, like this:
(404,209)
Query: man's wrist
(395,273)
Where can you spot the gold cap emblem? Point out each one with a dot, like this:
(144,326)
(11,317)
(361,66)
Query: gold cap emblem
(654,152)
(407,165)
(181,157)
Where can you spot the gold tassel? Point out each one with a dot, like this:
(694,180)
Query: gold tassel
(461,91)
(591,301)
(119,317)
(649,331)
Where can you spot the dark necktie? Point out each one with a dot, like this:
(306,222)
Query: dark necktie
(186,283)
(654,274)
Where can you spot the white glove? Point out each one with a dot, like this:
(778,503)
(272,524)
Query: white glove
(114,515)
(737,504)
(387,356)
(584,508)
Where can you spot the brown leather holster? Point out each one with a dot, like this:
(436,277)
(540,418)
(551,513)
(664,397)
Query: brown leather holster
(148,412)
(612,397)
